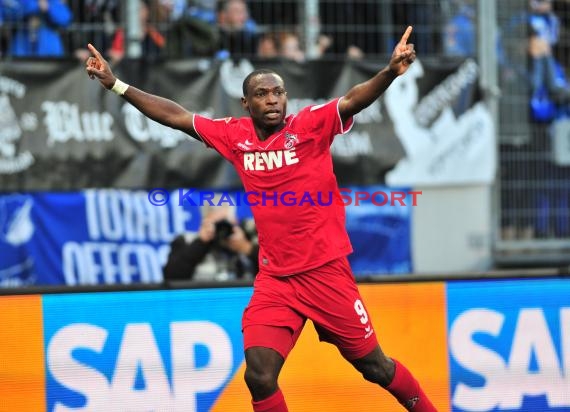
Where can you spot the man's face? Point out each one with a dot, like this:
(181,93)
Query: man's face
(236,14)
(266,100)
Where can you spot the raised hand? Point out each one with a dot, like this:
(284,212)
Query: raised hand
(98,68)
(403,54)
(238,241)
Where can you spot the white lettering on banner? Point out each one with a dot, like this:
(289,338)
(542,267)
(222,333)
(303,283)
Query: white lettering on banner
(116,221)
(75,375)
(140,352)
(187,379)
(64,122)
(444,93)
(11,129)
(507,383)
(270,160)
(120,214)
(142,129)
(11,86)
(132,358)
(17,163)
(91,263)
(441,148)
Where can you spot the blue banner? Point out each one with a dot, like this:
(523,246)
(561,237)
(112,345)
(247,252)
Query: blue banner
(378,223)
(108,236)
(509,345)
(153,350)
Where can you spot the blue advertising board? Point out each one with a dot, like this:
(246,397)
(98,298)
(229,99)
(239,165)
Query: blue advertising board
(146,350)
(509,345)
(111,236)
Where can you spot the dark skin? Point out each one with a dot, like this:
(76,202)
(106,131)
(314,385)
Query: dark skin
(266,103)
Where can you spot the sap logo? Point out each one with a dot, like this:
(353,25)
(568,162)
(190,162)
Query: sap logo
(138,355)
(270,160)
(532,368)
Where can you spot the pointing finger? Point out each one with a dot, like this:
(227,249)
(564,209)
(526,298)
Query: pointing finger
(95,52)
(406,35)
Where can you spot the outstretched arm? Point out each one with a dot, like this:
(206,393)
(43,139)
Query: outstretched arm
(364,94)
(157,108)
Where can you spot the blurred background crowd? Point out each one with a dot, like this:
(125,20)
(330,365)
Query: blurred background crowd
(210,28)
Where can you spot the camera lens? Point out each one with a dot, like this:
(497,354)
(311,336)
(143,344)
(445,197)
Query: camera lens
(224,229)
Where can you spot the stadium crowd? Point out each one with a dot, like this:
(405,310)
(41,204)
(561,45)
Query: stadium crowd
(210,28)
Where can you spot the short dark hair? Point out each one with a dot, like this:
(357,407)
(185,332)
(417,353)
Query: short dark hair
(253,74)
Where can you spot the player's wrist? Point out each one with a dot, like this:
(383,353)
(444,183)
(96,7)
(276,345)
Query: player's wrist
(119,87)
(391,72)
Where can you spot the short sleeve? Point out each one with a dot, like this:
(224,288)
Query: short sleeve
(214,133)
(324,120)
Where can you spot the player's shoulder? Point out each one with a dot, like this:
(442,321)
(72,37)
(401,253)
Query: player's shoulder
(309,112)
(321,106)
(227,122)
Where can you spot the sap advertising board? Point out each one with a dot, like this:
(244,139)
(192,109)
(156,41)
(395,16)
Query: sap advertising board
(163,351)
(509,345)
(494,346)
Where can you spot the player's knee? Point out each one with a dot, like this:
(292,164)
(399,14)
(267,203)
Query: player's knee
(381,372)
(260,382)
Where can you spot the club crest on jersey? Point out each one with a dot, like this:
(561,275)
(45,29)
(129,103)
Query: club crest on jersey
(290,140)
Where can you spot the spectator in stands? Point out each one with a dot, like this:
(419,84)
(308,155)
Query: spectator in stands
(546,73)
(268,46)
(460,32)
(290,47)
(153,42)
(239,33)
(221,250)
(36,24)
(550,103)
(287,45)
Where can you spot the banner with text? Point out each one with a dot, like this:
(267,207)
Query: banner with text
(61,131)
(111,236)
(499,345)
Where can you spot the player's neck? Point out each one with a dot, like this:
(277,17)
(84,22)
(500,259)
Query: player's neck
(264,132)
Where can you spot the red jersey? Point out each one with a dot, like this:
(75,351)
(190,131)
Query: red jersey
(290,185)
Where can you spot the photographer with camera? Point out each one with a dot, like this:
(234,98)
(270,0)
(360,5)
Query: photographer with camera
(221,249)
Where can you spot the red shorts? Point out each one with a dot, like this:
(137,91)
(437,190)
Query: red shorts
(327,295)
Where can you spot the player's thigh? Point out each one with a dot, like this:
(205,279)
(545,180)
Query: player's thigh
(270,319)
(334,304)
